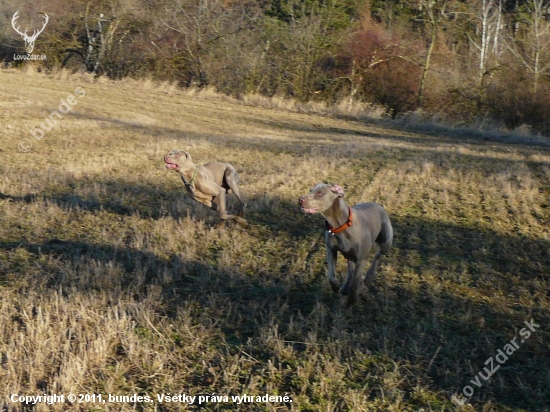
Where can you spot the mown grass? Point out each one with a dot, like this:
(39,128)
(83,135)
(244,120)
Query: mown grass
(114,281)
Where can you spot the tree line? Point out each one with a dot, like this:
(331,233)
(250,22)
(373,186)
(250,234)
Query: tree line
(463,61)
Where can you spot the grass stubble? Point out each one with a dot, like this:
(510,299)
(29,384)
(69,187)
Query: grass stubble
(114,281)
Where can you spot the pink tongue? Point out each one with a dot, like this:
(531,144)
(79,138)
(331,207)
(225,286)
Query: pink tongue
(171,166)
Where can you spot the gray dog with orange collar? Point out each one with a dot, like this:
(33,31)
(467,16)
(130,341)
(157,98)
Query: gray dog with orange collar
(352,231)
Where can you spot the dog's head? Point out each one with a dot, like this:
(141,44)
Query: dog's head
(177,160)
(320,198)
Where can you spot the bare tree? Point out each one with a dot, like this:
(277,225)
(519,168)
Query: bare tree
(531,47)
(434,12)
(100,32)
(201,25)
(490,21)
(498,28)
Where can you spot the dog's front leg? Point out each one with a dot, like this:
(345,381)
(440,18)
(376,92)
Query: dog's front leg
(332,257)
(350,288)
(222,210)
(355,273)
(215,204)
(349,279)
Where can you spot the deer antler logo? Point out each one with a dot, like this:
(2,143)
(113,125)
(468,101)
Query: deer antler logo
(29,40)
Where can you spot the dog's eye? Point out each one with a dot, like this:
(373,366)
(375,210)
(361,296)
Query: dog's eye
(319,194)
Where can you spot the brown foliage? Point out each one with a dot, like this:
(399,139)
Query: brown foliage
(516,105)
(381,67)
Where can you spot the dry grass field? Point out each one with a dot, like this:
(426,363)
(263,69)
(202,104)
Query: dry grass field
(113,281)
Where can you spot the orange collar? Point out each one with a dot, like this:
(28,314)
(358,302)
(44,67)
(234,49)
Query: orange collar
(346,225)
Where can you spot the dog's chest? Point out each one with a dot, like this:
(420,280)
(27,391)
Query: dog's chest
(200,197)
(195,194)
(350,254)
(344,246)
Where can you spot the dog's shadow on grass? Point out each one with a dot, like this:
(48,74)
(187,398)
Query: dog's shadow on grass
(147,201)
(121,199)
(181,279)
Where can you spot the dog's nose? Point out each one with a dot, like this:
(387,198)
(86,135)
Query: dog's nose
(301,201)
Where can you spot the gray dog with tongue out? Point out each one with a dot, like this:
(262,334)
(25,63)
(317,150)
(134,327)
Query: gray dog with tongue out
(352,231)
(208,184)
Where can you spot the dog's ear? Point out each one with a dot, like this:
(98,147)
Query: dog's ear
(337,189)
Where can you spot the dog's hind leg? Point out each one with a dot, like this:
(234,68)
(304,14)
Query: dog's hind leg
(358,271)
(371,273)
(384,240)
(232,179)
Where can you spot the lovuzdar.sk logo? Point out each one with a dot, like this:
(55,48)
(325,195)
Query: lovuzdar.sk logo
(29,40)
